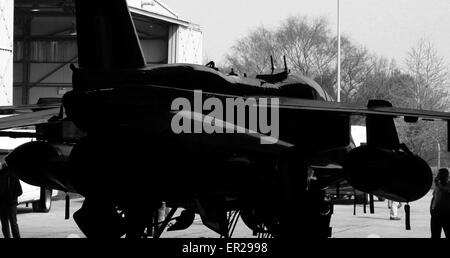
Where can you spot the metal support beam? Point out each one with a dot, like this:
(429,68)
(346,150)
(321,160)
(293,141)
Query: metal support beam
(26,59)
(161,228)
(24,12)
(48,38)
(59,67)
(148,36)
(47,85)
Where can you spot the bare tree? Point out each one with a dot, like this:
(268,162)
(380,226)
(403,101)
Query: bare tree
(427,90)
(430,74)
(306,45)
(356,67)
(423,138)
(252,54)
(310,50)
(383,80)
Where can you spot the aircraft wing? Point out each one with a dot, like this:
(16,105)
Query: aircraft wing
(325,106)
(352,109)
(28,119)
(26,108)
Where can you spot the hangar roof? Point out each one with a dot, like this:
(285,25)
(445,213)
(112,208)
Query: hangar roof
(154,9)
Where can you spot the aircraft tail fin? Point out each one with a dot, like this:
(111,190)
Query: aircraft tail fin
(107,38)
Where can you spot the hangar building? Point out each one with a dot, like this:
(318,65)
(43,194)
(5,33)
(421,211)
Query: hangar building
(38,43)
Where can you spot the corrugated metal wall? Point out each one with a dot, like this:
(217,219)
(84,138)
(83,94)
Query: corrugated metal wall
(44,47)
(6,51)
(189,45)
(185,45)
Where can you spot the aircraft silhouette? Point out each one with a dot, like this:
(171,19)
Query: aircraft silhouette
(113,142)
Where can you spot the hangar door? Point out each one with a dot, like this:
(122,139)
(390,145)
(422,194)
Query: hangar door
(6,51)
(45,46)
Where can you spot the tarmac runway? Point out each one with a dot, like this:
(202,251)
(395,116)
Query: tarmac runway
(379,225)
(344,223)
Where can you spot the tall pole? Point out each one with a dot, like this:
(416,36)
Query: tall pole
(439,152)
(339,52)
(439,155)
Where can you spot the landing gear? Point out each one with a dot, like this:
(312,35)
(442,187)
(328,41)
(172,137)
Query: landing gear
(305,210)
(263,226)
(300,209)
(45,201)
(232,220)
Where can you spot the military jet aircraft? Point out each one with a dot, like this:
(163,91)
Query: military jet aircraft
(121,140)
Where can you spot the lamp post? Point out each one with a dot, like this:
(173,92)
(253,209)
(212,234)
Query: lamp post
(339,51)
(439,155)
(439,152)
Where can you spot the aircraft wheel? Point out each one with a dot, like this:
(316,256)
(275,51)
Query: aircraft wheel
(45,202)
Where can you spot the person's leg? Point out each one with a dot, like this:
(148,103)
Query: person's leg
(5,223)
(13,220)
(390,205)
(446,226)
(436,227)
(394,210)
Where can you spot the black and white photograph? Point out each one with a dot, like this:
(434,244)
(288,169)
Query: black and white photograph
(225,125)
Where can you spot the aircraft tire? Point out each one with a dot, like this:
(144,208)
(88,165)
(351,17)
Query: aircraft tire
(45,202)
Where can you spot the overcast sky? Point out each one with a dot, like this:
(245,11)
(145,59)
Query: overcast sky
(386,27)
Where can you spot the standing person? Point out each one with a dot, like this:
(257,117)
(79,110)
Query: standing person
(10,189)
(393,207)
(440,205)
